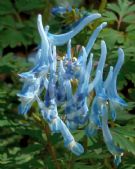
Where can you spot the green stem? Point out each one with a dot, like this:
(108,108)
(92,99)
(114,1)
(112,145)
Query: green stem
(102,5)
(85,143)
(50,147)
(70,161)
(18,16)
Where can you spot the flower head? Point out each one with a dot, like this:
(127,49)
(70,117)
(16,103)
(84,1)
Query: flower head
(55,78)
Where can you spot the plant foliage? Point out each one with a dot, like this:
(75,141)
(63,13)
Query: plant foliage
(23,140)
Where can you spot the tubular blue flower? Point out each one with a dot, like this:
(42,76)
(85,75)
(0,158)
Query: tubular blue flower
(64,38)
(60,89)
(69,141)
(84,89)
(94,118)
(106,90)
(94,36)
(116,151)
(41,67)
(99,89)
(56,80)
(58,126)
(112,91)
(77,104)
(44,41)
(30,90)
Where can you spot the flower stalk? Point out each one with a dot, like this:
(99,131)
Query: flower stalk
(50,147)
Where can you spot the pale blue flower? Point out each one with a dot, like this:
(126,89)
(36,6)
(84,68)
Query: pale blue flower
(106,99)
(54,77)
(116,151)
(30,90)
(64,38)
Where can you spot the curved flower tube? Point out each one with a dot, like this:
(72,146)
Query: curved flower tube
(64,38)
(99,88)
(94,118)
(94,36)
(44,41)
(116,151)
(58,126)
(112,91)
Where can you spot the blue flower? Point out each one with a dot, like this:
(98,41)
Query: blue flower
(116,151)
(94,36)
(54,77)
(115,101)
(64,38)
(60,88)
(30,90)
(106,99)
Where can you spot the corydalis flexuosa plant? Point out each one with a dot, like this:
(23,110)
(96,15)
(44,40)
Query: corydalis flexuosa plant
(52,78)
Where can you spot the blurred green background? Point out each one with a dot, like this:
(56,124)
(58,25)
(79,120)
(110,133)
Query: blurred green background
(25,141)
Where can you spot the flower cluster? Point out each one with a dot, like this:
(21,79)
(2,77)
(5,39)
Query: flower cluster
(52,78)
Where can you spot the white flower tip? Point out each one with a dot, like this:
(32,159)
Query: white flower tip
(71,144)
(91,56)
(104,24)
(103,44)
(97,15)
(120,51)
(39,17)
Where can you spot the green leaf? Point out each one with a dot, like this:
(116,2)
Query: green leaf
(114,8)
(32,148)
(26,5)
(129,19)
(126,131)
(130,28)
(34,133)
(123,142)
(6,7)
(23,158)
(110,16)
(80,165)
(11,38)
(131,8)
(132,92)
(7,21)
